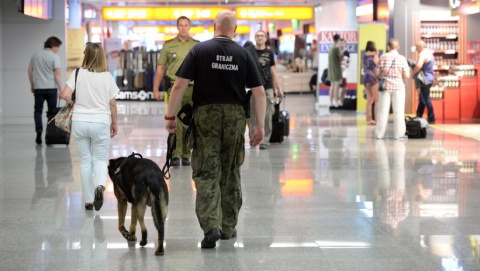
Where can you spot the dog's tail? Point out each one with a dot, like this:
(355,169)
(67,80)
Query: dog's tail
(159,196)
(159,209)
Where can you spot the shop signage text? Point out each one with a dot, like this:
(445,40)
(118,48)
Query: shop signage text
(241,29)
(135,95)
(160,13)
(327,36)
(274,13)
(325,40)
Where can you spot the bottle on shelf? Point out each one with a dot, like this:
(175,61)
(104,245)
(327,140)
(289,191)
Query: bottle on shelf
(449,81)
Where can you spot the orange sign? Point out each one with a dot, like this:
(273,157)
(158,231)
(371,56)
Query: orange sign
(160,13)
(241,29)
(274,13)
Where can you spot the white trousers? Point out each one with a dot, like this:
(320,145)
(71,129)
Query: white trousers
(397,100)
(93,143)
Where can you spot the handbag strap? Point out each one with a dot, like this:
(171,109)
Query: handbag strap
(391,65)
(74,97)
(73,94)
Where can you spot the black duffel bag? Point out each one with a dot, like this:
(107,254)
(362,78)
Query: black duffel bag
(415,129)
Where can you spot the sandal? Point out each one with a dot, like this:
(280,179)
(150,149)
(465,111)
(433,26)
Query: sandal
(371,122)
(98,201)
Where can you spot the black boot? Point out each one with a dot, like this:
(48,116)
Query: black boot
(38,140)
(210,238)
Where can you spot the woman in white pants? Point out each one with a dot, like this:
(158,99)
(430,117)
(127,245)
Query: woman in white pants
(94,121)
(394,68)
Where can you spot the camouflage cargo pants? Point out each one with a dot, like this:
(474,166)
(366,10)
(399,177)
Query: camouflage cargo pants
(217,156)
(182,150)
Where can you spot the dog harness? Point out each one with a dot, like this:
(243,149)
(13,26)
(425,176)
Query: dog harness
(118,174)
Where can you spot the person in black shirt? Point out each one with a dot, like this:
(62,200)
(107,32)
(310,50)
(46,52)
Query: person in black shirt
(267,70)
(221,69)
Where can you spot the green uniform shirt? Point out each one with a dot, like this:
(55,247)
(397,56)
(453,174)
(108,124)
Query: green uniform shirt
(173,53)
(334,61)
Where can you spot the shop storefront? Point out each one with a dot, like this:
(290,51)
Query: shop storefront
(447,28)
(133,54)
(457,96)
(135,35)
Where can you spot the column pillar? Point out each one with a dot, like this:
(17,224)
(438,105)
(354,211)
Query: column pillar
(74,14)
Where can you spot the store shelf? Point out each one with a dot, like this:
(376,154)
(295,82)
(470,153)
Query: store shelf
(442,37)
(447,52)
(446,36)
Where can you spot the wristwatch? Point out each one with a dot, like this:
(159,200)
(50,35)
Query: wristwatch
(169,117)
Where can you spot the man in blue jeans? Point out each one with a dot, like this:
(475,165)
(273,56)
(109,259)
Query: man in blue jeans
(45,76)
(425,63)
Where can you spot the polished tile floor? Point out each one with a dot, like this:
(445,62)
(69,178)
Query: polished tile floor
(330,197)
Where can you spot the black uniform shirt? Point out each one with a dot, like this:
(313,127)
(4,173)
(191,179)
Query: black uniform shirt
(221,69)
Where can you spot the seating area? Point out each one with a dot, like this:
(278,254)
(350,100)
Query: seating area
(294,82)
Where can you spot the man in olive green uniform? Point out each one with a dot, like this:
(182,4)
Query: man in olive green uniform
(334,71)
(221,69)
(171,57)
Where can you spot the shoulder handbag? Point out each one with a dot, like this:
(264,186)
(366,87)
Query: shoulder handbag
(382,83)
(421,78)
(63,119)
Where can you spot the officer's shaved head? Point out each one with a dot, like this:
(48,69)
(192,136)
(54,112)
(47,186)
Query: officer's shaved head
(225,23)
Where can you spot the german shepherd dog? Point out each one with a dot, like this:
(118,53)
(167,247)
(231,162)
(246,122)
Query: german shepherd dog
(141,182)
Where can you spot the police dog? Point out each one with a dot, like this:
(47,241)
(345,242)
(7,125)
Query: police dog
(141,182)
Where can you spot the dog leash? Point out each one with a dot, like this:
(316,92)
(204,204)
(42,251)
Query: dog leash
(171,145)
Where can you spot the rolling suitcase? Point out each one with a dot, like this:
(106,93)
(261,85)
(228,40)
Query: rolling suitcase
(53,134)
(148,80)
(138,80)
(286,117)
(278,125)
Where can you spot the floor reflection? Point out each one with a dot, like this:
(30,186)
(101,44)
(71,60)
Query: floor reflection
(330,197)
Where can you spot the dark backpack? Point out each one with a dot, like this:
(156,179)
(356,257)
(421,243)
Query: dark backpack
(324,77)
